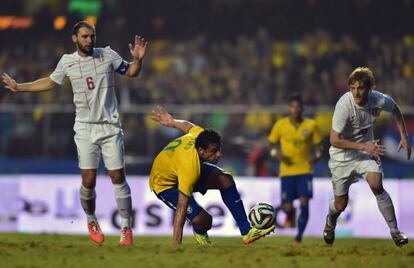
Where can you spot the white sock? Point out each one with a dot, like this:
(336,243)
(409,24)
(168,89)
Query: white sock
(91,218)
(124,203)
(387,210)
(87,199)
(333,214)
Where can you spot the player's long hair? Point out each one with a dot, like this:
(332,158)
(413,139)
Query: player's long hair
(363,75)
(207,137)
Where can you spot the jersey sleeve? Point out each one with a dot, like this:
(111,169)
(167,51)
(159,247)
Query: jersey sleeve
(274,135)
(316,135)
(387,103)
(120,65)
(58,75)
(195,130)
(188,173)
(340,117)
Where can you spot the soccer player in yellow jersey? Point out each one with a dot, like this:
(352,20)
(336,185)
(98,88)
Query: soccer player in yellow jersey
(187,165)
(292,139)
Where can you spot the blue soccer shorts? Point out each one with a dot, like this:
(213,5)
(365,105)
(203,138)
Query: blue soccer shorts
(170,196)
(297,186)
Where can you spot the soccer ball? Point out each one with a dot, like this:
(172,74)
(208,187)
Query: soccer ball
(262,216)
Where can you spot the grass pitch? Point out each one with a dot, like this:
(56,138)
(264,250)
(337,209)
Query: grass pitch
(23,250)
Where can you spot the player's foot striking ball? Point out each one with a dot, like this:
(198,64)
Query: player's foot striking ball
(187,165)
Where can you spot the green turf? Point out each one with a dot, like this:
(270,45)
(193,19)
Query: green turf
(23,250)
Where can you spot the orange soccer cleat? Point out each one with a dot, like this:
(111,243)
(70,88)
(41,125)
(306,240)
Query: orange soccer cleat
(95,232)
(126,237)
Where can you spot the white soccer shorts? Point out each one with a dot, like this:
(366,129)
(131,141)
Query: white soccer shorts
(347,172)
(94,140)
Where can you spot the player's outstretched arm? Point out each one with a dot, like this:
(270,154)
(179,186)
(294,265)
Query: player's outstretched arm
(399,120)
(179,219)
(39,85)
(138,51)
(164,118)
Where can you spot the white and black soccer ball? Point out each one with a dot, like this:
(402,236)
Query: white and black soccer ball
(262,216)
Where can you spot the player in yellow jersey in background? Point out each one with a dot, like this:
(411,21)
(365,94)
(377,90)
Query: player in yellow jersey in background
(187,165)
(295,142)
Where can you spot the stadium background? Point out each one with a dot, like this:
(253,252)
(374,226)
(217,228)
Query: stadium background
(225,64)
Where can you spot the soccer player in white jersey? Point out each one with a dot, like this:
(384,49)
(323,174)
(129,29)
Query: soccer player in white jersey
(97,126)
(355,153)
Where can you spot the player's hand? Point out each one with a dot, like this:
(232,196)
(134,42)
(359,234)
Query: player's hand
(316,157)
(162,116)
(405,144)
(139,48)
(9,82)
(374,148)
(276,154)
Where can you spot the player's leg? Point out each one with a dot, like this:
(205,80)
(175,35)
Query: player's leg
(336,207)
(113,157)
(343,176)
(305,192)
(88,194)
(199,218)
(124,204)
(289,194)
(385,206)
(213,177)
(89,157)
(88,203)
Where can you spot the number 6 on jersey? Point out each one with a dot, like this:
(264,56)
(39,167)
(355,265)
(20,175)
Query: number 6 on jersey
(89,83)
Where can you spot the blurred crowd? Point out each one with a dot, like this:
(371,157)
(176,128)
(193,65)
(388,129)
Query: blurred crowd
(249,70)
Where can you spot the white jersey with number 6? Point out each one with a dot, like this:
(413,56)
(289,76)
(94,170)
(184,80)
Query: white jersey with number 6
(92,80)
(355,123)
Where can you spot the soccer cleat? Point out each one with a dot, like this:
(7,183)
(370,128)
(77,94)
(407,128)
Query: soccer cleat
(329,233)
(255,234)
(126,237)
(297,240)
(400,239)
(202,239)
(95,232)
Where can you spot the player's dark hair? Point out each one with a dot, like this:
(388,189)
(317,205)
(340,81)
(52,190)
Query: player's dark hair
(207,137)
(82,24)
(363,75)
(296,97)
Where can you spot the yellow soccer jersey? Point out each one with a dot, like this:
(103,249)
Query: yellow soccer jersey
(177,165)
(295,144)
